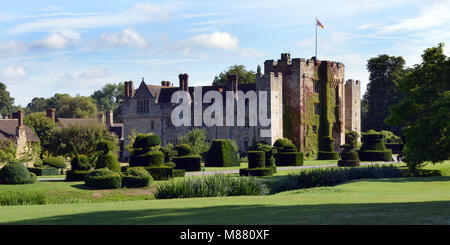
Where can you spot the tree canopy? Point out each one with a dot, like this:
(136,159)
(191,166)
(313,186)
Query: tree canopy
(6,101)
(424,112)
(110,97)
(382,92)
(245,77)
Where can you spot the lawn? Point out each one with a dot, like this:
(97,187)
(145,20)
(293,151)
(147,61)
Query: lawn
(380,201)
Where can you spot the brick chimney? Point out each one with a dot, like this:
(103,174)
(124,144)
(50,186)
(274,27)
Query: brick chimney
(20,133)
(232,82)
(101,118)
(51,113)
(129,91)
(181,79)
(19,116)
(109,118)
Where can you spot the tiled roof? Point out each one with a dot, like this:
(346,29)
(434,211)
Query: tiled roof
(73,121)
(8,130)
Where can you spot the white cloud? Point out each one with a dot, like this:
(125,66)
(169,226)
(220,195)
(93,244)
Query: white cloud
(306,42)
(12,48)
(126,37)
(14,72)
(53,41)
(215,40)
(139,13)
(430,16)
(93,73)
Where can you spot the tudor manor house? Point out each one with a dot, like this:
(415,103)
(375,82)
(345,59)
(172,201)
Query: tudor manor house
(303,86)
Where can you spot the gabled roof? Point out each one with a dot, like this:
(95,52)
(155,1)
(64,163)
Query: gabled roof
(8,130)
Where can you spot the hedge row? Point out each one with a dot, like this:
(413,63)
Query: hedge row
(221,154)
(188,163)
(289,158)
(40,171)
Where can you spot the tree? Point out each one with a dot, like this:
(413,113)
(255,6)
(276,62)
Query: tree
(73,107)
(196,139)
(424,112)
(42,126)
(382,92)
(245,77)
(110,97)
(38,104)
(6,101)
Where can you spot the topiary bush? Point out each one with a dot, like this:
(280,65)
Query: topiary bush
(349,156)
(103,179)
(289,159)
(41,171)
(256,171)
(179,173)
(15,173)
(105,146)
(56,162)
(222,153)
(326,151)
(76,175)
(373,148)
(161,172)
(145,141)
(136,177)
(188,163)
(80,162)
(108,161)
(269,152)
(256,159)
(183,150)
(146,152)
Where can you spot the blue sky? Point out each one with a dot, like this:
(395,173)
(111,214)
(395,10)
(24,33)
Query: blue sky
(76,47)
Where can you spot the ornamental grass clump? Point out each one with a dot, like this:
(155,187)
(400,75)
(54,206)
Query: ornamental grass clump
(210,186)
(10,198)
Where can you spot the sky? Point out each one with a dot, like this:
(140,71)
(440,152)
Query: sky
(77,47)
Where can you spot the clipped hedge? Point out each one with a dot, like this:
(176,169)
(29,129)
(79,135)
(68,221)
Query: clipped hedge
(105,146)
(256,159)
(375,155)
(152,158)
(373,148)
(80,162)
(349,159)
(108,161)
(256,171)
(103,179)
(15,173)
(136,177)
(146,141)
(326,155)
(56,162)
(396,148)
(188,163)
(40,171)
(183,149)
(289,159)
(76,175)
(221,154)
(179,173)
(161,172)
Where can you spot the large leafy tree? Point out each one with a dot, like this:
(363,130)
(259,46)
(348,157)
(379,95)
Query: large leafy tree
(425,110)
(6,101)
(382,92)
(110,97)
(196,139)
(42,125)
(38,104)
(245,77)
(74,107)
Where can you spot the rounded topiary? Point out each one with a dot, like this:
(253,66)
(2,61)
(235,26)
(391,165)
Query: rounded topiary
(222,154)
(326,149)
(103,179)
(56,162)
(349,157)
(373,148)
(105,146)
(183,150)
(108,161)
(146,141)
(16,173)
(76,175)
(282,142)
(80,162)
(136,177)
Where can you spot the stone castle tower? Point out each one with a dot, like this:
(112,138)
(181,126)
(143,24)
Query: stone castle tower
(353,106)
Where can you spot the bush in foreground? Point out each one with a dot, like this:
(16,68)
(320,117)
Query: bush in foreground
(210,186)
(15,173)
(136,177)
(103,179)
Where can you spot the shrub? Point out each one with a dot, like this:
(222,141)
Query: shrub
(10,198)
(40,171)
(103,179)
(161,172)
(136,177)
(144,141)
(80,162)
(375,155)
(16,173)
(256,171)
(396,148)
(289,159)
(373,148)
(188,163)
(76,175)
(269,152)
(105,146)
(326,151)
(349,156)
(38,163)
(56,162)
(108,161)
(325,155)
(168,152)
(183,150)
(256,159)
(179,173)
(170,164)
(282,142)
(222,153)
(210,186)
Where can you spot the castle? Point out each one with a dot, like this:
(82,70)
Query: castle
(307,101)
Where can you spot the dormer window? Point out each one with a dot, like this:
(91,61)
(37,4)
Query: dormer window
(142,106)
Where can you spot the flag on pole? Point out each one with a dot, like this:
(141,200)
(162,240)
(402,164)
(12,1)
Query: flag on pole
(319,24)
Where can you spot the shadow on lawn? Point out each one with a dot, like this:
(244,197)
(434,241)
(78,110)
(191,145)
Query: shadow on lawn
(435,212)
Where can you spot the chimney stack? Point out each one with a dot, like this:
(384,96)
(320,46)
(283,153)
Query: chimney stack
(19,116)
(129,91)
(109,118)
(232,82)
(101,118)
(51,113)
(184,78)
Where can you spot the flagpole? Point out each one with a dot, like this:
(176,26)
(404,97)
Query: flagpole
(316,38)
